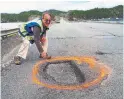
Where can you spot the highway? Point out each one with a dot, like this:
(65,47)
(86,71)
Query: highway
(100,40)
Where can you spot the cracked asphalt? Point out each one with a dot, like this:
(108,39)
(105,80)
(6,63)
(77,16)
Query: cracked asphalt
(100,40)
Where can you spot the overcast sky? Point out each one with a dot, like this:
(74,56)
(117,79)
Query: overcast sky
(8,6)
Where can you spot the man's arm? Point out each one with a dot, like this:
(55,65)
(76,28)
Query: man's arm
(36,31)
(44,41)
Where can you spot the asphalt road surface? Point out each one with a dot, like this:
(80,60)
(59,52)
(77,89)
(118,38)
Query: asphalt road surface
(100,40)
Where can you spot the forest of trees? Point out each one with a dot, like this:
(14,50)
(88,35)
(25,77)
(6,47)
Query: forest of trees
(96,13)
(24,16)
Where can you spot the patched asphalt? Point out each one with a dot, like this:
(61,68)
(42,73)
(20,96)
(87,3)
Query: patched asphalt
(100,40)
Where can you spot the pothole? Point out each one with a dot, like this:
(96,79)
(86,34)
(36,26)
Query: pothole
(66,73)
(69,72)
(62,73)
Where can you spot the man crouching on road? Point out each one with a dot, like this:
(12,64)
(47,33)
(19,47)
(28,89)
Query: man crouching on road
(34,32)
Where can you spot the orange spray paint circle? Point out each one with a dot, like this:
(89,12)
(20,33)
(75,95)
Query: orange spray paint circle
(93,64)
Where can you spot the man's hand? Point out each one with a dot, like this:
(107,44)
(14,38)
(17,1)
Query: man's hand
(44,55)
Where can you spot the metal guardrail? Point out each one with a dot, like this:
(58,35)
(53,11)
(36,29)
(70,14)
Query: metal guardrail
(8,33)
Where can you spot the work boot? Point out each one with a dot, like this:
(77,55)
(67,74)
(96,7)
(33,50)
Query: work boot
(46,57)
(17,60)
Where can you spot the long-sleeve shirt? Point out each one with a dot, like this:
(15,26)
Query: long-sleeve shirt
(37,36)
